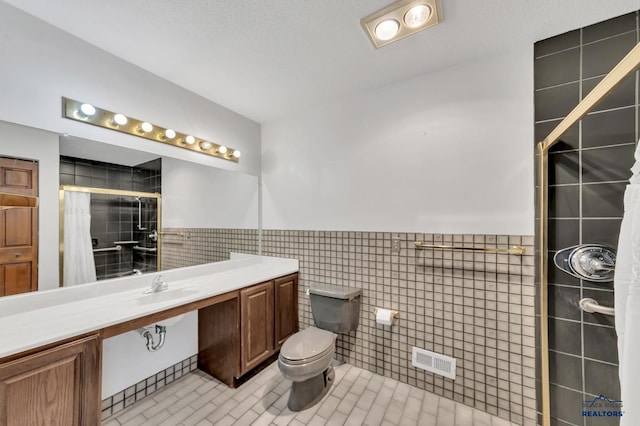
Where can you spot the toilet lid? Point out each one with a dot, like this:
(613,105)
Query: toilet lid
(307,344)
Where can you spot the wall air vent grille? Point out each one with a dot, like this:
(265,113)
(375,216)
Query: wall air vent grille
(433,362)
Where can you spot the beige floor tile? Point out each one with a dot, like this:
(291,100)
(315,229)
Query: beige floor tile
(178,416)
(357,397)
(199,414)
(136,421)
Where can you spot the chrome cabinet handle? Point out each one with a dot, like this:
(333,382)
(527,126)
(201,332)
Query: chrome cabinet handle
(17,254)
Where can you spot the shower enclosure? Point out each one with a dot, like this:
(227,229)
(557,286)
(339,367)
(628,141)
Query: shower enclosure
(123,231)
(583,168)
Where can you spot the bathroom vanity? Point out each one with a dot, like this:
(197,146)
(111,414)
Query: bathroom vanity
(51,342)
(239,334)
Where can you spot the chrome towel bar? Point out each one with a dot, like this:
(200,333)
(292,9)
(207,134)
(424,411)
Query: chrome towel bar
(186,234)
(519,250)
(592,306)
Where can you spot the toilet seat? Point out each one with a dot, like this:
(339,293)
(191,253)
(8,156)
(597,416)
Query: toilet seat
(307,345)
(306,354)
(288,361)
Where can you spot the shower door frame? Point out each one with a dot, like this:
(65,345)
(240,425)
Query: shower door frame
(626,67)
(104,191)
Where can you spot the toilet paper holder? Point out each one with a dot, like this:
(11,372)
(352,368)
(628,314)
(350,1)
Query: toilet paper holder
(394,314)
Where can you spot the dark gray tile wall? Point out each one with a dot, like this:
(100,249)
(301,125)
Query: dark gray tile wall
(588,171)
(115,218)
(476,307)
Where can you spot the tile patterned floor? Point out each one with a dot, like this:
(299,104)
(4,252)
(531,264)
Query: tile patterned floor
(358,397)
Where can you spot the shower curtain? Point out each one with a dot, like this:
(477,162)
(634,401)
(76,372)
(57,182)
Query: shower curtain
(627,299)
(79,266)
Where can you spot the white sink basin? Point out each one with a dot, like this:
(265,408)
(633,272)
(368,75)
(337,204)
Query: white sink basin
(151,298)
(170,321)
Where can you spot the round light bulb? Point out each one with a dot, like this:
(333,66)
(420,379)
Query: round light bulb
(146,127)
(87,109)
(387,29)
(237,153)
(189,140)
(120,119)
(169,133)
(417,15)
(222,149)
(205,145)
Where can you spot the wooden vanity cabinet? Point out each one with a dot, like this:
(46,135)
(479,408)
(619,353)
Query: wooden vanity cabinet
(286,311)
(256,325)
(269,314)
(239,335)
(55,386)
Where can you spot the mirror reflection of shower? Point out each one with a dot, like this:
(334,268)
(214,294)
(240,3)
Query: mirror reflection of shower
(140,227)
(124,220)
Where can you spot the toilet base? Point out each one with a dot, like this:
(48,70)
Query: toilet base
(306,394)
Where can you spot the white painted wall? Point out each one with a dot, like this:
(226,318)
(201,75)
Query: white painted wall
(31,144)
(41,64)
(447,152)
(195,196)
(126,360)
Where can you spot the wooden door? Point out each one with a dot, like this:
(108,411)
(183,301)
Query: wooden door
(286,308)
(58,386)
(256,325)
(18,229)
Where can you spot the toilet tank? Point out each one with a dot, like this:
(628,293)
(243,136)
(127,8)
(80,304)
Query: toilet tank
(335,308)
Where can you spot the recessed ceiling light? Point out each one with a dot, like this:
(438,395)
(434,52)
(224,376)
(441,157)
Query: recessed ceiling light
(417,16)
(387,29)
(401,19)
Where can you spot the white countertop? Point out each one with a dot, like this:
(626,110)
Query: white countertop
(31,320)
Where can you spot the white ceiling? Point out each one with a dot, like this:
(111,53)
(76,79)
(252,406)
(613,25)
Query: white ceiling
(267,59)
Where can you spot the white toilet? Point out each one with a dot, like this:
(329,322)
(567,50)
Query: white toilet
(305,358)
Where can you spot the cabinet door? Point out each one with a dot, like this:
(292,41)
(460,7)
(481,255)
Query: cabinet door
(286,312)
(256,325)
(58,386)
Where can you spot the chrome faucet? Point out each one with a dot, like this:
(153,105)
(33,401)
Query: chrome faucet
(158,285)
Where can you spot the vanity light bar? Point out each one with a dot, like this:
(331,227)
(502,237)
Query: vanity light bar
(87,113)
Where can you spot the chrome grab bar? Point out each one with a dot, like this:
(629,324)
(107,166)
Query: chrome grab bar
(592,306)
(146,249)
(116,248)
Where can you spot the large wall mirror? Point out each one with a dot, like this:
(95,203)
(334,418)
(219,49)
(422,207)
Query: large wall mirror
(123,211)
(148,213)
